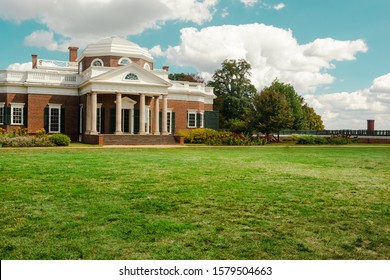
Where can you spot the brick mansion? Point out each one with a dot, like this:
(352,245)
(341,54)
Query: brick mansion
(110,92)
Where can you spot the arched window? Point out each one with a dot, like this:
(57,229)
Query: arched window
(97,62)
(131,77)
(124,61)
(147,66)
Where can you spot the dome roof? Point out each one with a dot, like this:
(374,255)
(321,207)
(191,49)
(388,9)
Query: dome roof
(116,47)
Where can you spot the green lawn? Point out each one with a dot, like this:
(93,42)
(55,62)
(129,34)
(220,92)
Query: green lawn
(269,202)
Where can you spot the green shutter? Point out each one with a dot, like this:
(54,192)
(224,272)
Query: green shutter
(198,117)
(103,120)
(46,119)
(62,120)
(136,121)
(7,119)
(211,119)
(173,123)
(25,116)
(112,120)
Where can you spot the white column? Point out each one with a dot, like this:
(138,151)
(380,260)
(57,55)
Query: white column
(93,113)
(118,111)
(164,116)
(88,115)
(142,115)
(156,115)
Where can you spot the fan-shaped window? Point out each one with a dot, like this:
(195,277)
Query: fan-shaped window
(131,77)
(124,61)
(147,66)
(97,62)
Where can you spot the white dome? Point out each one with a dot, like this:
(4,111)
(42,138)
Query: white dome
(116,47)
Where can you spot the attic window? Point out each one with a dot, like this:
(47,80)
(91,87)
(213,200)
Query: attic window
(97,62)
(124,61)
(131,77)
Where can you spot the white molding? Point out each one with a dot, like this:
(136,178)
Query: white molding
(97,60)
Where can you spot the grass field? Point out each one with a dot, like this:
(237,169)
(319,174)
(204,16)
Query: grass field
(195,203)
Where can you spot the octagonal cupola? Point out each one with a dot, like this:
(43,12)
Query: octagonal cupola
(114,52)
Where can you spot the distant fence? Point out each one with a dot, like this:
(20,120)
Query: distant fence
(338,132)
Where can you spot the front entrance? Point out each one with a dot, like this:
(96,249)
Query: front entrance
(128,121)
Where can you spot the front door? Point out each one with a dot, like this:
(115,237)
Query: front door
(126,128)
(128,121)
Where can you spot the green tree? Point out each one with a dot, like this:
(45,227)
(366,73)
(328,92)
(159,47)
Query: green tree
(194,78)
(312,121)
(234,90)
(295,102)
(304,117)
(271,111)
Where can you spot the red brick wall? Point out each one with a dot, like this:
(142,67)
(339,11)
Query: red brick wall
(37,104)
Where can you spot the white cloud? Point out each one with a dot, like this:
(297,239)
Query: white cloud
(20,66)
(350,110)
(225,12)
(156,51)
(280,6)
(272,52)
(84,21)
(249,3)
(45,39)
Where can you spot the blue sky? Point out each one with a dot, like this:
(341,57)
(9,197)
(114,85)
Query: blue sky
(334,52)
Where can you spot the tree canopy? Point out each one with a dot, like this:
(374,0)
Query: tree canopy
(194,78)
(275,108)
(233,89)
(272,112)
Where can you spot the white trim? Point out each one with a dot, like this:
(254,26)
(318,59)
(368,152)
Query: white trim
(201,125)
(147,66)
(191,112)
(126,59)
(81,118)
(147,119)
(97,60)
(17,106)
(55,107)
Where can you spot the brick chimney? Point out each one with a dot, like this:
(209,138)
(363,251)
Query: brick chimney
(166,68)
(73,53)
(370,125)
(34,61)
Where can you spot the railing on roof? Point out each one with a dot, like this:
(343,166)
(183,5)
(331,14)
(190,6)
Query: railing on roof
(348,132)
(47,63)
(191,86)
(39,77)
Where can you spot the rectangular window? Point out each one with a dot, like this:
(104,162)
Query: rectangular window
(54,118)
(2,113)
(169,122)
(191,120)
(17,114)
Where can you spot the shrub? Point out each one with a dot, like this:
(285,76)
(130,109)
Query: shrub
(306,140)
(237,126)
(198,135)
(334,140)
(41,133)
(291,138)
(60,140)
(24,141)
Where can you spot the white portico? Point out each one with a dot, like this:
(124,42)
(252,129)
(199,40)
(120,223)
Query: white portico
(136,89)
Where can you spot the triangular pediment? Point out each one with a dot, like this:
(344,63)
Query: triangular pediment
(131,74)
